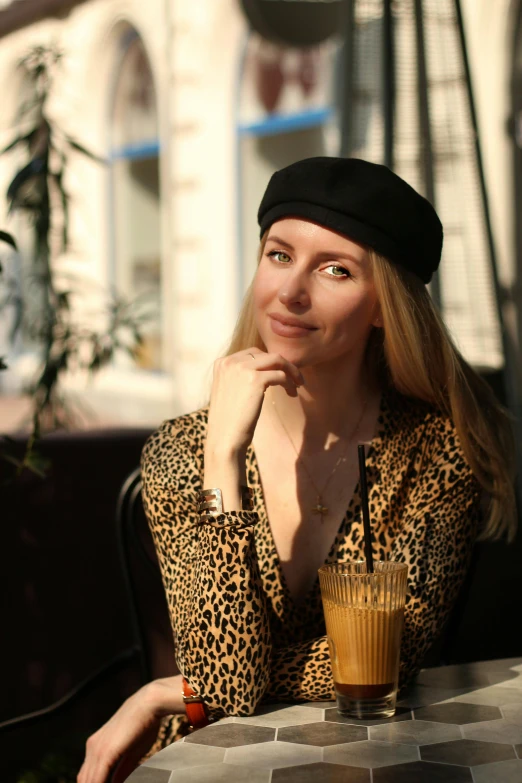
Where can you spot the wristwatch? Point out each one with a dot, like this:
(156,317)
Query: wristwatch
(194,707)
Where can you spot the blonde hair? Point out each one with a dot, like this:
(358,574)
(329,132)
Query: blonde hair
(414,353)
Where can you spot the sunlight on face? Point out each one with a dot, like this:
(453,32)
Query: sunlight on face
(314,297)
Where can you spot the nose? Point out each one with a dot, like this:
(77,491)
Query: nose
(294,289)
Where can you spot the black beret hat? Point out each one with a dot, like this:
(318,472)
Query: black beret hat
(365,201)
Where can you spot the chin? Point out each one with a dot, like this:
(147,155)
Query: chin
(296,354)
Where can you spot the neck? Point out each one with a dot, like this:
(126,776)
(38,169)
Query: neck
(327,407)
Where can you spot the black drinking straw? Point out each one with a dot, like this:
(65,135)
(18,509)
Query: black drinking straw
(365,510)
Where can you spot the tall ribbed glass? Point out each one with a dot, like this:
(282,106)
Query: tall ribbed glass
(364,617)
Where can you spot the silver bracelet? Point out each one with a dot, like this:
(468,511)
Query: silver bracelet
(210,501)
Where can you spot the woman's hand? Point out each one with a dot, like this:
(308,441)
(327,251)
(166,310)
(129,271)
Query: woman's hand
(121,742)
(239,383)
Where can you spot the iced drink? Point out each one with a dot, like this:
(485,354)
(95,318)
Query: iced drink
(364,618)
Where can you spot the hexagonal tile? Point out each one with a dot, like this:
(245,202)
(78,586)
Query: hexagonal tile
(223,773)
(321,773)
(272,755)
(415,732)
(179,755)
(505,771)
(468,753)
(370,754)
(512,713)
(494,731)
(424,771)
(276,716)
(502,665)
(498,664)
(514,681)
(149,775)
(455,677)
(495,695)
(457,712)
(422,696)
(467,676)
(319,705)
(231,735)
(334,716)
(322,734)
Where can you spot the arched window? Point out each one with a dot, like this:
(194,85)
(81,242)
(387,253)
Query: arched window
(135,185)
(286,112)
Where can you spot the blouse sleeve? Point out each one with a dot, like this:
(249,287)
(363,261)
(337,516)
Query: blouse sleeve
(212,581)
(435,538)
(301,672)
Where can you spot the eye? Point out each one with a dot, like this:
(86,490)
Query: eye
(275,253)
(339,271)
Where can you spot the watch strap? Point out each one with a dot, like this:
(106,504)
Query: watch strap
(194,707)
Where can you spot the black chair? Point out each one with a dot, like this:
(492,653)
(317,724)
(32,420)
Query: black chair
(153,639)
(151,653)
(485,624)
(72,657)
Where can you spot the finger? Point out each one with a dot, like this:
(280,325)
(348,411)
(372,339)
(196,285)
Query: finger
(274,360)
(246,355)
(134,754)
(88,775)
(277,378)
(93,770)
(101,774)
(253,350)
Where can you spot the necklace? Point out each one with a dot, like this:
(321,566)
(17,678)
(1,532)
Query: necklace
(319,508)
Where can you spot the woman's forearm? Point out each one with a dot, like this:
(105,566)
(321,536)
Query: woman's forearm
(164,696)
(227,472)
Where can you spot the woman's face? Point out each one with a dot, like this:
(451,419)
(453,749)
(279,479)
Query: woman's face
(314,297)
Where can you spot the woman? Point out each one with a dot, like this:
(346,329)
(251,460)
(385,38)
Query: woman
(337,343)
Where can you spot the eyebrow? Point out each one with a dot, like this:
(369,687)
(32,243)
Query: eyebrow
(321,254)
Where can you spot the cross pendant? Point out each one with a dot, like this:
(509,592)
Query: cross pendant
(320,509)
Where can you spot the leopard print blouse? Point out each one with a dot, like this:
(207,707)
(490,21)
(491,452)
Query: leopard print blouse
(239,637)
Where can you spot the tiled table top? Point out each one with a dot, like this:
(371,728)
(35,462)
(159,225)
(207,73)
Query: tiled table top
(458,724)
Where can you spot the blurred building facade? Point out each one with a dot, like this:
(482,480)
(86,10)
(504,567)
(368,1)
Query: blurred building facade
(193,112)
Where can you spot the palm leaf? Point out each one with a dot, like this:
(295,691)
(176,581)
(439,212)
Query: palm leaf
(36,463)
(35,168)
(5,237)
(6,457)
(19,140)
(80,148)
(12,145)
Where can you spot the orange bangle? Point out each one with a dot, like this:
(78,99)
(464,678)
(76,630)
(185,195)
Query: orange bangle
(194,707)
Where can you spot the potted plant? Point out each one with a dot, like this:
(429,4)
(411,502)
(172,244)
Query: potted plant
(38,191)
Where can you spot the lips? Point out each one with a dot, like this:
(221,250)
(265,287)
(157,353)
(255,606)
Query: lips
(288,327)
(289,321)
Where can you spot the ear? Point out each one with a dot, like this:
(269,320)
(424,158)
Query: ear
(377,316)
